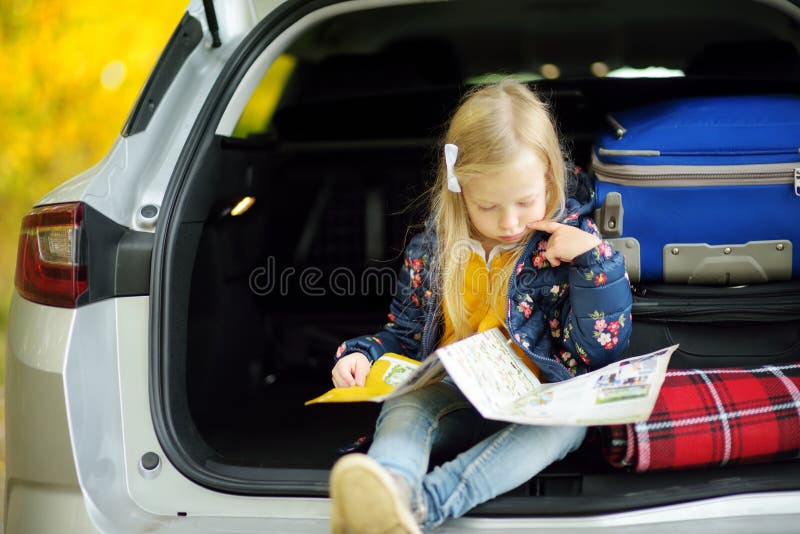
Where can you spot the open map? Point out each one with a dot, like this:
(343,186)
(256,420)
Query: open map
(500,386)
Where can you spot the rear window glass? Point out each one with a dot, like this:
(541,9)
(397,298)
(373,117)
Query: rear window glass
(389,52)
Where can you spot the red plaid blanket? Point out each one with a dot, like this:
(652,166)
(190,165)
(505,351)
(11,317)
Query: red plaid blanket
(706,417)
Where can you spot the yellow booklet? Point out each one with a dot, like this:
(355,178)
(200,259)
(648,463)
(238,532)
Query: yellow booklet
(388,372)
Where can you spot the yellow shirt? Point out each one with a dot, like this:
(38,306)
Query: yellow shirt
(482,314)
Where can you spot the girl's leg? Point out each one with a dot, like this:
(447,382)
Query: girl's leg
(411,426)
(382,492)
(497,464)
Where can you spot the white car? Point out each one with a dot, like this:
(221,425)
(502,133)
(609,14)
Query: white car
(177,302)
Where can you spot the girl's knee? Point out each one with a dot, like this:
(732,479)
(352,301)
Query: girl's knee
(557,440)
(401,407)
(570,438)
(576,434)
(435,396)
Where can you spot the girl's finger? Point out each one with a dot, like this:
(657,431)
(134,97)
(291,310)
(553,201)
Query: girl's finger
(360,371)
(552,256)
(342,377)
(544,226)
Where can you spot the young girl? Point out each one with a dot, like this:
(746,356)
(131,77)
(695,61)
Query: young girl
(504,247)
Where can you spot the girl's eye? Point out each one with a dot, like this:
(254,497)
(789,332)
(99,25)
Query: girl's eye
(525,204)
(486,208)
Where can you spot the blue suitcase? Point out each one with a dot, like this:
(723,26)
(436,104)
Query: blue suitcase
(703,190)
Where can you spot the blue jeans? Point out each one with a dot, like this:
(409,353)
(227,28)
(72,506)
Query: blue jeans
(492,458)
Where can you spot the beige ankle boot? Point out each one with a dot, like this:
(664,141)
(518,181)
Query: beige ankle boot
(369,499)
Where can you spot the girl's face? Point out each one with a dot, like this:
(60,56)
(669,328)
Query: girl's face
(501,205)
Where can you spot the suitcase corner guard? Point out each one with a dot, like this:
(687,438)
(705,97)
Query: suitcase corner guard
(748,263)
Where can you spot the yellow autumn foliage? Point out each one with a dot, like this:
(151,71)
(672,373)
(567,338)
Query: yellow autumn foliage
(69,74)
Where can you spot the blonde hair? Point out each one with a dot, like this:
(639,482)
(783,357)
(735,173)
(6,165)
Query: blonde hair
(491,127)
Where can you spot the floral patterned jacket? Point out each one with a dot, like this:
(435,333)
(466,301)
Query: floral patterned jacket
(568,319)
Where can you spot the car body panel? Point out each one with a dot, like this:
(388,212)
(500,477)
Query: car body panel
(35,396)
(44,509)
(40,473)
(90,373)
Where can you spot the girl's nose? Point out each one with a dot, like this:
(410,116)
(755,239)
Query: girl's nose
(508,220)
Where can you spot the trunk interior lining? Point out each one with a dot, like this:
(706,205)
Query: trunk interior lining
(250,359)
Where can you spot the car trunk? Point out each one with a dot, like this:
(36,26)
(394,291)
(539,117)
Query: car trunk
(255,305)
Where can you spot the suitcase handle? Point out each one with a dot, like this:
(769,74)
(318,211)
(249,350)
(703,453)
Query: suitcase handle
(619,130)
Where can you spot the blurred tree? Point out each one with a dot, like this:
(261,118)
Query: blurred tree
(69,74)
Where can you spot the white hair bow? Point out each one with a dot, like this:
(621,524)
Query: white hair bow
(450,155)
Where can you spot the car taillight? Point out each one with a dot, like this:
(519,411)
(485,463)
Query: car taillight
(51,266)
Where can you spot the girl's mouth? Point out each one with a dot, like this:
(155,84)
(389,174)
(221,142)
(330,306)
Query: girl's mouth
(514,237)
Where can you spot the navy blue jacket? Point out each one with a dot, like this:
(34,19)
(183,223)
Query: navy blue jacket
(568,319)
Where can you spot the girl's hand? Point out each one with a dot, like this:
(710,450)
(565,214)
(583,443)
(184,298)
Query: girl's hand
(350,370)
(565,241)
